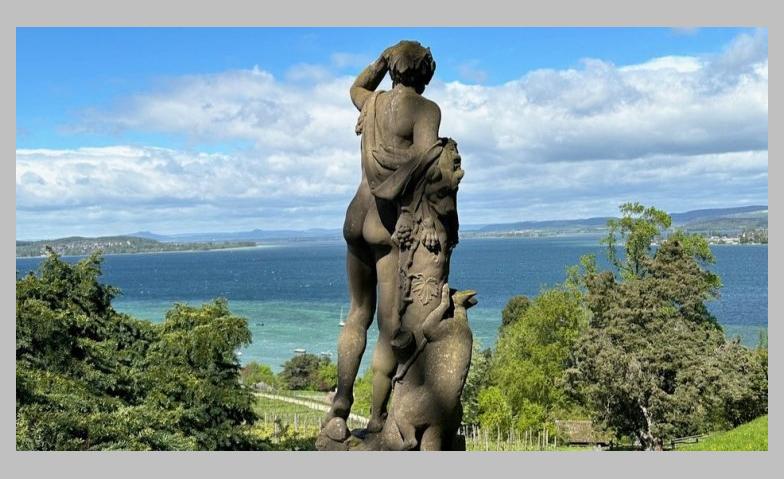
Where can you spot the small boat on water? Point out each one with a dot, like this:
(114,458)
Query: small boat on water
(342,322)
(299,351)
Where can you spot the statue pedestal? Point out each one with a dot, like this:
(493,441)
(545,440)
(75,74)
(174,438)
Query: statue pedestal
(362,440)
(356,440)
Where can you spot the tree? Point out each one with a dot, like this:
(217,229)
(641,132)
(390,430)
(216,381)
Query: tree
(194,367)
(532,353)
(254,373)
(494,410)
(476,380)
(308,371)
(654,363)
(513,310)
(637,228)
(363,391)
(327,376)
(89,378)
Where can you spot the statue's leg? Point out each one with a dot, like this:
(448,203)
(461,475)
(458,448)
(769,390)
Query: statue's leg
(432,439)
(384,361)
(353,337)
(408,434)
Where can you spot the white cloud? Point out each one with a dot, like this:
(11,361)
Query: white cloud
(173,189)
(677,132)
(679,64)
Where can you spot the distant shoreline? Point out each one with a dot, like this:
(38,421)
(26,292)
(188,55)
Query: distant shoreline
(209,250)
(522,235)
(282,244)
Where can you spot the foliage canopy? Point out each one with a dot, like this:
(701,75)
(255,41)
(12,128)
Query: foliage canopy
(90,378)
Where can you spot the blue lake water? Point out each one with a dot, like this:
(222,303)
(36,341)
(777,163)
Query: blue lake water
(292,295)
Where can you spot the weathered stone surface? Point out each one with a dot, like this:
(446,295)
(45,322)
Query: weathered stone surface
(325,443)
(336,429)
(400,229)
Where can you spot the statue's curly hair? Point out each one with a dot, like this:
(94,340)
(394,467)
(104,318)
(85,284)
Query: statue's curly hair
(411,64)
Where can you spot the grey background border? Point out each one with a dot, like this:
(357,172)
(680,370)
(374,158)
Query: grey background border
(390,13)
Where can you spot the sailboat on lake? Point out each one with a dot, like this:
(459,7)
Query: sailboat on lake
(342,321)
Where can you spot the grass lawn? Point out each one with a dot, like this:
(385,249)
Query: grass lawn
(752,436)
(315,396)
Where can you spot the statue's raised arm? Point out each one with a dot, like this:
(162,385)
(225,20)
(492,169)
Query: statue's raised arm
(367,81)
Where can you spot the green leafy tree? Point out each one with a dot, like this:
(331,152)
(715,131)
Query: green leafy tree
(194,365)
(254,373)
(532,354)
(89,378)
(513,310)
(762,351)
(327,376)
(363,390)
(636,230)
(476,380)
(494,410)
(653,363)
(308,371)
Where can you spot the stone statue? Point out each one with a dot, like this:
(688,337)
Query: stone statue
(400,230)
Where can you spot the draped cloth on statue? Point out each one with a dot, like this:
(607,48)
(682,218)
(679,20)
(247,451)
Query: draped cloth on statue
(389,169)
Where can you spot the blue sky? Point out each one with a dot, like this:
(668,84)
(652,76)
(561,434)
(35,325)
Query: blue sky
(183,129)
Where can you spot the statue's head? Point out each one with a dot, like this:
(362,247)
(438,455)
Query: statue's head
(443,178)
(411,64)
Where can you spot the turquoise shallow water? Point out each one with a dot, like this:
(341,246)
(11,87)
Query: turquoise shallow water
(292,295)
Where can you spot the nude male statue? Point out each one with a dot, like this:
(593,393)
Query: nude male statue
(397,127)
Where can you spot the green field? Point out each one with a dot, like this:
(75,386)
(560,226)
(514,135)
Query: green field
(752,436)
(273,406)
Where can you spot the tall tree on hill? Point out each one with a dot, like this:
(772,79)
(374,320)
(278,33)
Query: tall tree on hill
(654,363)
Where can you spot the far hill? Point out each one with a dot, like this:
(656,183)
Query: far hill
(253,235)
(79,246)
(716,220)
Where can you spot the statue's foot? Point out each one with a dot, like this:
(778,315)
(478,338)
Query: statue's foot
(336,429)
(376,423)
(334,436)
(341,407)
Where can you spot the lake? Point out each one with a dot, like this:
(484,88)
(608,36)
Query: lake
(293,295)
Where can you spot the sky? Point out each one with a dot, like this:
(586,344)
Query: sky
(183,130)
